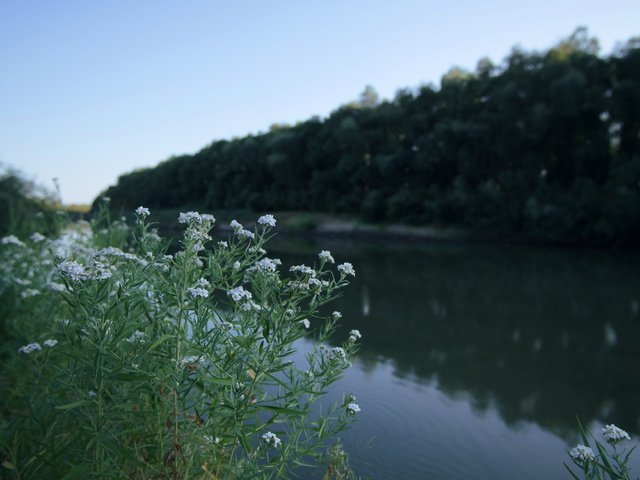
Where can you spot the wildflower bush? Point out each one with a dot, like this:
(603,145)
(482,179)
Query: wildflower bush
(124,361)
(608,463)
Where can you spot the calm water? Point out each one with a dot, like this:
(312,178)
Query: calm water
(476,360)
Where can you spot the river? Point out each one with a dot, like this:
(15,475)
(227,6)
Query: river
(475,359)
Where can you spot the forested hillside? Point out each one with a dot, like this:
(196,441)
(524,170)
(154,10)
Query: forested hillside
(545,143)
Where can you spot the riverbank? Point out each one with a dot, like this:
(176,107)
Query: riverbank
(316,224)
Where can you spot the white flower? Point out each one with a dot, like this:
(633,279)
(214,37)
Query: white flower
(267,220)
(211,439)
(100,272)
(142,212)
(353,408)
(265,265)
(37,237)
(245,233)
(223,244)
(582,454)
(57,287)
(137,336)
(73,270)
(239,293)
(203,282)
(250,305)
(346,269)
(32,347)
(50,343)
(189,359)
(354,335)
(11,240)
(29,292)
(271,439)
(303,269)
(325,256)
(235,225)
(207,217)
(198,292)
(189,217)
(305,322)
(336,315)
(614,434)
(236,265)
(91,393)
(337,352)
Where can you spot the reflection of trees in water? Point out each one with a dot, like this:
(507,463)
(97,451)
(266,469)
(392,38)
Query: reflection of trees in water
(542,335)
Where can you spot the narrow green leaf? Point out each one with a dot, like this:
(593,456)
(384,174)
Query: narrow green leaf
(71,406)
(287,411)
(626,457)
(8,465)
(131,376)
(77,471)
(219,380)
(245,444)
(158,342)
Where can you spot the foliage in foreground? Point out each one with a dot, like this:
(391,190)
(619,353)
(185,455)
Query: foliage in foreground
(122,361)
(608,463)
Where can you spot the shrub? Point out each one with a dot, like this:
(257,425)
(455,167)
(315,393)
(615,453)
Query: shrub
(128,362)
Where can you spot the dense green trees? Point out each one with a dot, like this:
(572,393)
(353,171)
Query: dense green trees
(545,144)
(26,208)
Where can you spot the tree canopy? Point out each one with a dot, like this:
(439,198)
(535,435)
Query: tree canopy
(546,143)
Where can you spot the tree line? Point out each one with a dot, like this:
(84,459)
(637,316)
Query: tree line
(544,144)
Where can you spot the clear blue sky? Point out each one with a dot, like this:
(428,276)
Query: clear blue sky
(93,89)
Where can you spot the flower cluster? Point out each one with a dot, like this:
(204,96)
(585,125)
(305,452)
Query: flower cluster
(582,454)
(72,270)
(267,220)
(354,335)
(303,269)
(265,265)
(142,212)
(337,352)
(250,305)
(195,217)
(76,272)
(239,230)
(11,240)
(239,293)
(32,347)
(137,337)
(29,292)
(271,439)
(37,237)
(353,408)
(346,269)
(614,434)
(325,256)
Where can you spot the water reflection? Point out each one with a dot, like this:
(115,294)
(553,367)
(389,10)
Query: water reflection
(537,335)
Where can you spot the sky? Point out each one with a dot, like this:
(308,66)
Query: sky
(91,90)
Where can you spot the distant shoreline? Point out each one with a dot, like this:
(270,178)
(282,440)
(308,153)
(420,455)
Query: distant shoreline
(323,225)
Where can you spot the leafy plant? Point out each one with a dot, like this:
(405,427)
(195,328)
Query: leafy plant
(136,363)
